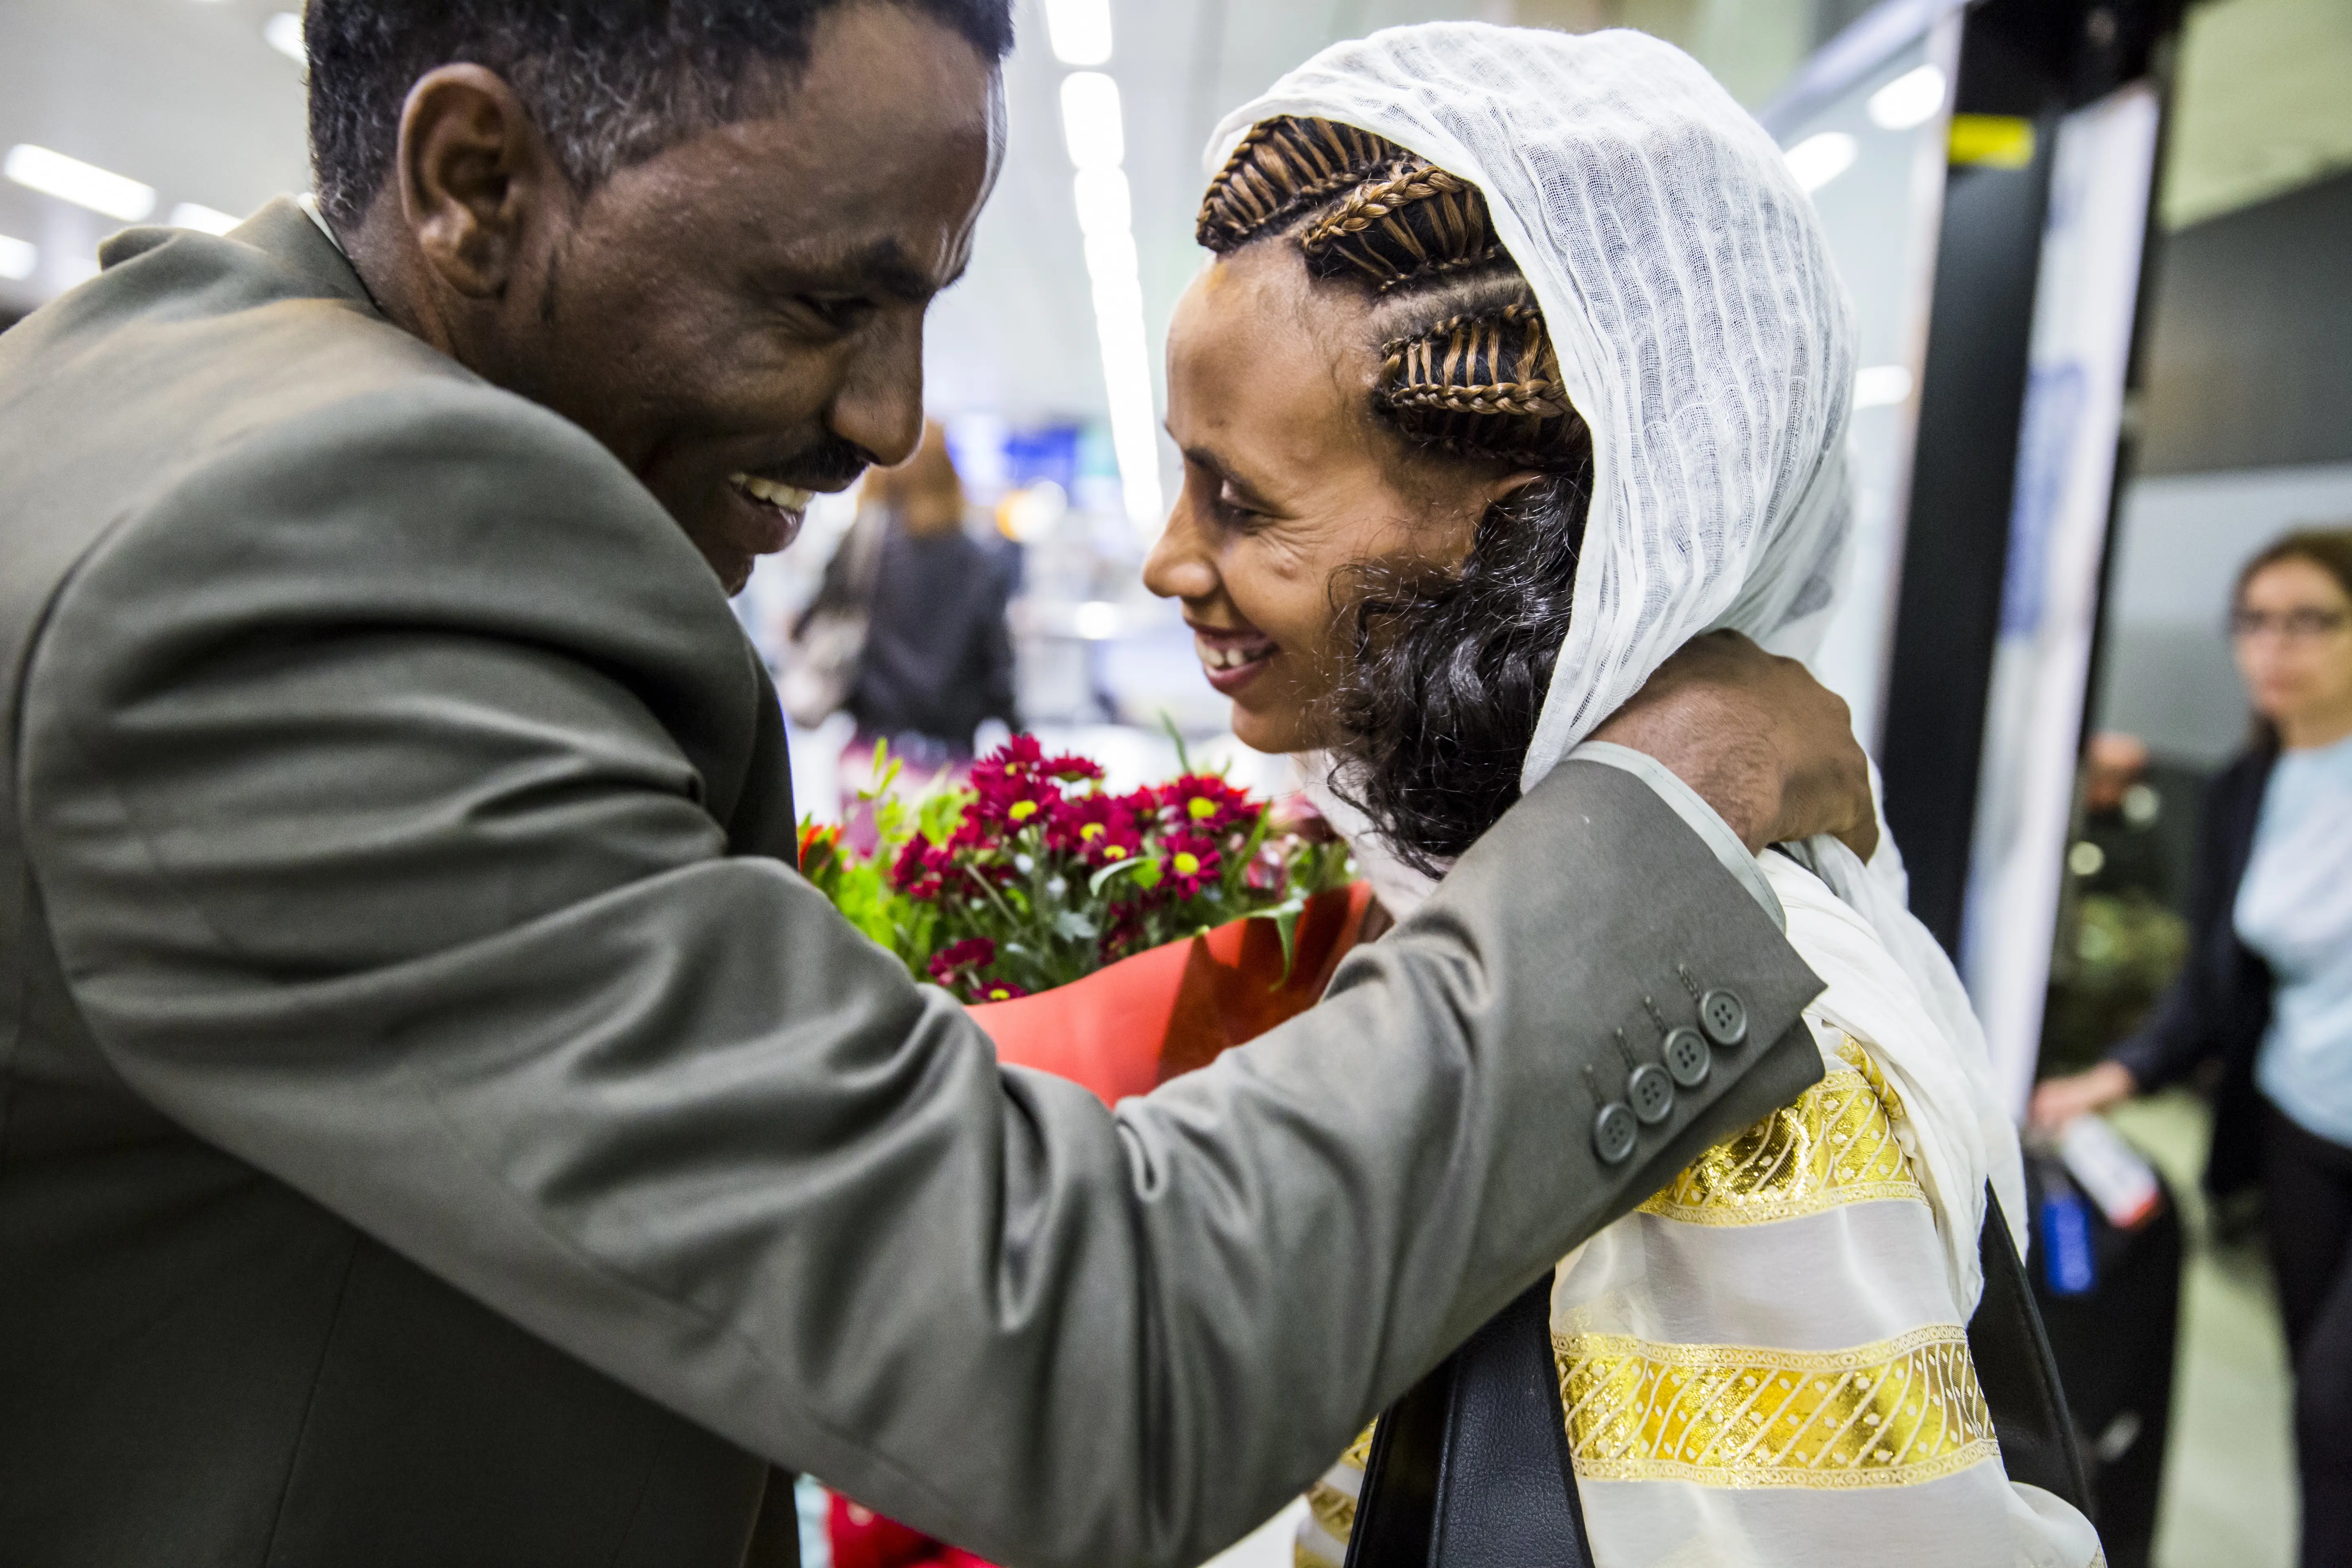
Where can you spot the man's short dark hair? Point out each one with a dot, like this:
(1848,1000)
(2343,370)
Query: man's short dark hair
(609,81)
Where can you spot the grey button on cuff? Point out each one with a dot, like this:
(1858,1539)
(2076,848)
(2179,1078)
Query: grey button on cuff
(1724,1017)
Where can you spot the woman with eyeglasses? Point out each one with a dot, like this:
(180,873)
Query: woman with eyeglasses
(2268,989)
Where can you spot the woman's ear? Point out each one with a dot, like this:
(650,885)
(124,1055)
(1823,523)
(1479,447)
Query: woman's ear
(471,166)
(1511,487)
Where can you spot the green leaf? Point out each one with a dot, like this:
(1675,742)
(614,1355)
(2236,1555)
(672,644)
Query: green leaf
(1072,926)
(1103,879)
(1285,917)
(1184,752)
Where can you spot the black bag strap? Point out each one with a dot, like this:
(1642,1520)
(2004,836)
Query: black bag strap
(1471,1468)
(2039,1445)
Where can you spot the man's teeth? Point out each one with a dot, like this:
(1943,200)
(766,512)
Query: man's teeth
(1229,658)
(787,497)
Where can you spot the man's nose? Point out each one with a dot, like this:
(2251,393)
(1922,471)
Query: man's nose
(880,405)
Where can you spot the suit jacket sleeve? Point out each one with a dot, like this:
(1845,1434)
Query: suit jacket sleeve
(379,779)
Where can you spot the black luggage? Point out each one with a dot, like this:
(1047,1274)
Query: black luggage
(2110,1302)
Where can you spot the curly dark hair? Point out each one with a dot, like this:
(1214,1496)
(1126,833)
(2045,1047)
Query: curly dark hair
(1436,708)
(609,82)
(1439,703)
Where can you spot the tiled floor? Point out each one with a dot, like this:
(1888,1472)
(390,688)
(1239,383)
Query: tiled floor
(2229,1480)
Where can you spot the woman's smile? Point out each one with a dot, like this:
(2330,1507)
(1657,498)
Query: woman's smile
(1232,659)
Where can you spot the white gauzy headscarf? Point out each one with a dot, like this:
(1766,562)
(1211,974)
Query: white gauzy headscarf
(1706,339)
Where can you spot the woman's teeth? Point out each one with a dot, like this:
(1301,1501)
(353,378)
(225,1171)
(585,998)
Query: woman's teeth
(767,493)
(1232,657)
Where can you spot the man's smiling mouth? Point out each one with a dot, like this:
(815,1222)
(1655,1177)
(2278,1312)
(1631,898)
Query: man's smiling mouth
(767,492)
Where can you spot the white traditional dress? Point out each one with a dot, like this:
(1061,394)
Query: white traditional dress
(1766,1364)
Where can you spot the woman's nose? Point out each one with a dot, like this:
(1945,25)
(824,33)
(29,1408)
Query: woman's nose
(1178,566)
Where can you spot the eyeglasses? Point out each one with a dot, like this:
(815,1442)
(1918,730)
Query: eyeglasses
(2295,626)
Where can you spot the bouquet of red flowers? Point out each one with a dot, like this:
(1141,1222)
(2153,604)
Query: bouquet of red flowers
(1033,875)
(1115,940)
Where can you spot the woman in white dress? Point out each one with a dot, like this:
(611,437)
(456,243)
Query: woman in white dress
(1520,364)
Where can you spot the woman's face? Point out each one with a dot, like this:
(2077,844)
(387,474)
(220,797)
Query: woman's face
(1290,481)
(2294,642)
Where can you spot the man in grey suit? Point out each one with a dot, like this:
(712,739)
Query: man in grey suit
(437,1125)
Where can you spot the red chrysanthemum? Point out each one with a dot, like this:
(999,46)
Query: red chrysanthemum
(1140,807)
(1188,862)
(1020,757)
(1205,803)
(1098,828)
(998,990)
(962,960)
(1014,800)
(1122,931)
(917,871)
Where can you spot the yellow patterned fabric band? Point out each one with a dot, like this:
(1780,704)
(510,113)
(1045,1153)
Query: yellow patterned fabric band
(1330,1506)
(1893,1414)
(1835,1144)
(1334,1510)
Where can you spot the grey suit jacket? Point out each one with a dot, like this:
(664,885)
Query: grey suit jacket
(437,1125)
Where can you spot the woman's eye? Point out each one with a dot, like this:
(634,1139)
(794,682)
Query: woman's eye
(1233,511)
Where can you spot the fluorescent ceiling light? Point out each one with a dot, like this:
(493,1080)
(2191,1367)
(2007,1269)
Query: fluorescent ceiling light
(283,33)
(1818,160)
(1079,30)
(208,220)
(18,259)
(1090,120)
(85,185)
(1881,385)
(1111,257)
(1096,137)
(1911,99)
(1103,204)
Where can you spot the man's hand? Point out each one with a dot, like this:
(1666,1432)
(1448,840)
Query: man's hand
(1762,742)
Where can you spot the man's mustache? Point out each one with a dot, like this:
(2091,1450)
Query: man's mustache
(832,465)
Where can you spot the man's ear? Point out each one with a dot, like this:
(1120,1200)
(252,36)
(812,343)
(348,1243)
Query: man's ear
(473,170)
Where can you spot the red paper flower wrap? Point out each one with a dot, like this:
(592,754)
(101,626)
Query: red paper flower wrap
(1131,1026)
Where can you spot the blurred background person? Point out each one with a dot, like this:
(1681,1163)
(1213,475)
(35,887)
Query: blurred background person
(2267,990)
(2121,940)
(907,632)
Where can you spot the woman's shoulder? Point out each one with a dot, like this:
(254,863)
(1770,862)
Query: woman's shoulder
(1868,994)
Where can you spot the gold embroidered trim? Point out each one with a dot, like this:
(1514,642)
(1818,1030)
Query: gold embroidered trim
(1897,1412)
(1305,1556)
(1835,1145)
(1334,1510)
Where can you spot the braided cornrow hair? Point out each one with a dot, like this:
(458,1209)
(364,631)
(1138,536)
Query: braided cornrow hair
(1438,705)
